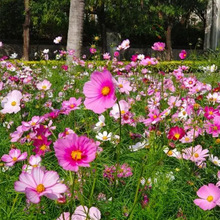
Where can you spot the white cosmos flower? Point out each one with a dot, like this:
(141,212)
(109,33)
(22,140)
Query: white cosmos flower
(100,123)
(214,160)
(104,136)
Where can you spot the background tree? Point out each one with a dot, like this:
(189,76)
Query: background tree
(26,30)
(75,30)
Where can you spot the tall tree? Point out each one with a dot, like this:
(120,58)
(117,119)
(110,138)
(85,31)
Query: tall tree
(212,29)
(75,30)
(26,30)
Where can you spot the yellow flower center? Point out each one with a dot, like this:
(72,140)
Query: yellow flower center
(122,112)
(44,87)
(120,86)
(13,103)
(196,155)
(14,158)
(39,137)
(72,106)
(217,141)
(154,116)
(186,139)
(177,135)
(104,138)
(40,188)
(211,112)
(105,90)
(35,165)
(76,155)
(215,128)
(209,198)
(33,123)
(215,162)
(170,153)
(43,147)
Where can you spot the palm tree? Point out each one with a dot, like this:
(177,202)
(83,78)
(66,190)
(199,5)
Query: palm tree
(75,31)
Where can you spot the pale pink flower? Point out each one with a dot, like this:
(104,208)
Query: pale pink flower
(195,154)
(40,183)
(124,108)
(57,40)
(11,103)
(106,56)
(34,161)
(124,45)
(123,85)
(14,156)
(44,85)
(81,213)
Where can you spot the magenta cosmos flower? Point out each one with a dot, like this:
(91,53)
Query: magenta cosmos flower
(40,183)
(209,197)
(14,156)
(74,151)
(182,55)
(176,133)
(158,46)
(99,92)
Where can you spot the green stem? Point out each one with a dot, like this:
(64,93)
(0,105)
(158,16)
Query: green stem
(12,209)
(93,186)
(137,191)
(117,156)
(72,199)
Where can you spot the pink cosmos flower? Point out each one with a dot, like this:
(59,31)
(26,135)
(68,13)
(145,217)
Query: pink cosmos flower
(99,92)
(124,45)
(148,61)
(40,183)
(123,85)
(213,128)
(189,82)
(195,154)
(158,46)
(176,133)
(209,197)
(182,55)
(74,151)
(44,85)
(210,112)
(92,50)
(13,157)
(70,105)
(82,211)
(106,56)
(11,103)
(154,117)
(16,135)
(174,101)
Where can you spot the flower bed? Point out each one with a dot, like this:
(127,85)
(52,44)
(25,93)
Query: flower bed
(109,140)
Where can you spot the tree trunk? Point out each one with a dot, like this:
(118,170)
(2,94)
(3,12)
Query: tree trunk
(212,29)
(26,30)
(75,31)
(169,54)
